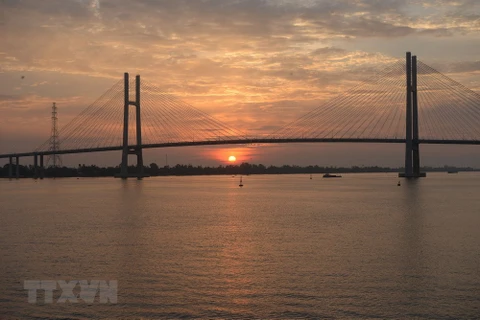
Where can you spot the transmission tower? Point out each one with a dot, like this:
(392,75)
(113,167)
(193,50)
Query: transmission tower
(54,158)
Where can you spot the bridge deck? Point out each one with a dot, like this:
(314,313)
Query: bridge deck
(240,141)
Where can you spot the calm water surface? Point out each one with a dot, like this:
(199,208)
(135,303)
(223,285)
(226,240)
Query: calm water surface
(281,247)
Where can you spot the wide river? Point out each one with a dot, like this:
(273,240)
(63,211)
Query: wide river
(281,247)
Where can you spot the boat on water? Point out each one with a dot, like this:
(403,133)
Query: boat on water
(310,177)
(452,171)
(328,175)
(241,182)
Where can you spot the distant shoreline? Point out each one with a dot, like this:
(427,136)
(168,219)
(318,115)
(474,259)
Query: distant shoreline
(190,170)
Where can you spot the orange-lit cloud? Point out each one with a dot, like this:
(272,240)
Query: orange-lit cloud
(253,64)
(221,155)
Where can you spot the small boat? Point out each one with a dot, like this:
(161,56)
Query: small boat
(241,183)
(328,175)
(310,177)
(399,184)
(452,171)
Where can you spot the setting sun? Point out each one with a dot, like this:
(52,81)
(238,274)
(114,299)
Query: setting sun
(232,159)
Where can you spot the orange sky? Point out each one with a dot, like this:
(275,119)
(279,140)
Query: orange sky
(253,64)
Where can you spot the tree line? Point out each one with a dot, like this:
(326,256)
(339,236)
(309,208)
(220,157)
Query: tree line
(153,169)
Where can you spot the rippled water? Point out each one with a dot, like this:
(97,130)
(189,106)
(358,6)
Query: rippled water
(281,247)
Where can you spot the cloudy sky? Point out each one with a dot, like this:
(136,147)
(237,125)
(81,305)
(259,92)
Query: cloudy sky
(254,64)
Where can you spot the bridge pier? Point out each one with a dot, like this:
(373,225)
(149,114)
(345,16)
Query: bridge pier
(137,149)
(41,169)
(412,145)
(10,168)
(35,166)
(17,169)
(125,151)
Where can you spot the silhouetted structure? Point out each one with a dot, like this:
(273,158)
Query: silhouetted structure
(412,150)
(126,148)
(53,158)
(372,112)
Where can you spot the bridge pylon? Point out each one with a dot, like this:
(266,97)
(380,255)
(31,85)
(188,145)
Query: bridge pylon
(135,149)
(412,144)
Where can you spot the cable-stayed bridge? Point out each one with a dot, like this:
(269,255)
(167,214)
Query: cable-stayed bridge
(408,102)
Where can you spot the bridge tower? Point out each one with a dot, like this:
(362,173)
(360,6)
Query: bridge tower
(54,158)
(412,145)
(136,149)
